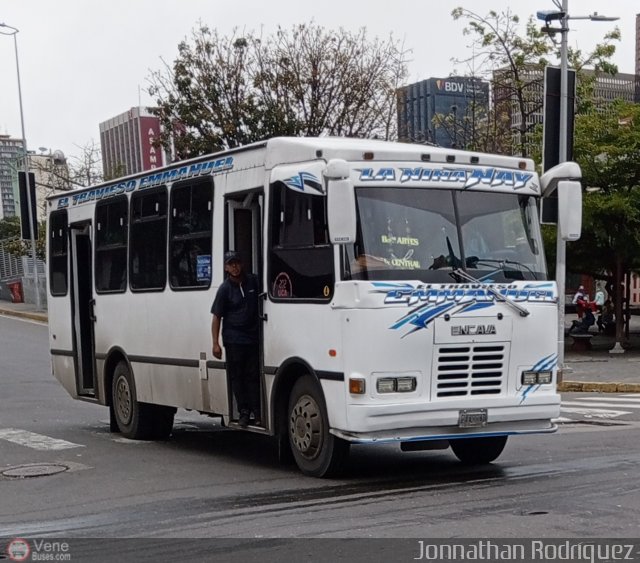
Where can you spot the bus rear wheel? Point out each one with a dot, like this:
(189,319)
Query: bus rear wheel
(316,451)
(478,451)
(135,420)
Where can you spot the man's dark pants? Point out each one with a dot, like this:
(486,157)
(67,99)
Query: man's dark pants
(243,368)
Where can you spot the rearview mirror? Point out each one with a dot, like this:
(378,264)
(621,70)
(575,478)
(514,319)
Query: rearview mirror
(341,211)
(569,209)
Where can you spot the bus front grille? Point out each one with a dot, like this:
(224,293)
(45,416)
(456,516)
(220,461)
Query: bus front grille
(470,370)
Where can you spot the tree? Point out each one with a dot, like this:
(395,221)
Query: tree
(9,228)
(85,169)
(226,91)
(607,147)
(515,63)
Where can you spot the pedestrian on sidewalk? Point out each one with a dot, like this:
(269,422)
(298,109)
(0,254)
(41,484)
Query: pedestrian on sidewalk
(580,302)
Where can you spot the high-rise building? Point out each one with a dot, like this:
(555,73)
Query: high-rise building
(442,111)
(10,151)
(605,89)
(127,143)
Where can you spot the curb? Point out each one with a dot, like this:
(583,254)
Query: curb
(41,317)
(598,387)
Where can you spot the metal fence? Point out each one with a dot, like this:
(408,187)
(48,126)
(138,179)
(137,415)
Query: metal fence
(12,266)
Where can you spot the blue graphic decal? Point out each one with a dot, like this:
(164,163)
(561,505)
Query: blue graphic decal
(464,177)
(305,181)
(150,180)
(435,300)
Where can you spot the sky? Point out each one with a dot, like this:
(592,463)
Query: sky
(83,61)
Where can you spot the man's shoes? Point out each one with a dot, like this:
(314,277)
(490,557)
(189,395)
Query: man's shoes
(243,421)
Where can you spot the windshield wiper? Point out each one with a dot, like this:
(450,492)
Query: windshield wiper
(468,277)
(474,260)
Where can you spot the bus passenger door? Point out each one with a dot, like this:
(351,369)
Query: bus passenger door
(243,227)
(82,307)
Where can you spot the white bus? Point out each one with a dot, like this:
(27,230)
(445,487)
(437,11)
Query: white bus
(405,295)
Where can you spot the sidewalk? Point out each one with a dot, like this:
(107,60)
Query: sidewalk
(592,370)
(23,310)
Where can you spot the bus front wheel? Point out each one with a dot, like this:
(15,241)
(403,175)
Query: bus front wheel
(135,420)
(317,452)
(478,451)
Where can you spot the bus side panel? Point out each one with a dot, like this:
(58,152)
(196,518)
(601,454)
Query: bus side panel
(167,329)
(308,331)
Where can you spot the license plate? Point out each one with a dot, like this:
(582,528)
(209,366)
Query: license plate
(472,418)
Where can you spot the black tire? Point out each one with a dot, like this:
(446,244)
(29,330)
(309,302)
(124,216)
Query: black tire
(135,420)
(316,452)
(478,451)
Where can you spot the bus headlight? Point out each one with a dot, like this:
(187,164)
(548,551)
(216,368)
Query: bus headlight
(406,384)
(536,377)
(396,384)
(386,385)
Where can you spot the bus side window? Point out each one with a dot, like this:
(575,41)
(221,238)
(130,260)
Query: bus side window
(58,252)
(148,240)
(190,238)
(111,222)
(300,256)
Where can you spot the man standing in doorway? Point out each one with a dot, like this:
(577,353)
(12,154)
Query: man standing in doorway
(236,308)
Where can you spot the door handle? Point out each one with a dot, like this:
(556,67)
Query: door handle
(92,311)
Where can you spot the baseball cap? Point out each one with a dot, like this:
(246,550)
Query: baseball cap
(231,256)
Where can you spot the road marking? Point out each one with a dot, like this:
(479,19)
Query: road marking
(605,403)
(35,441)
(633,403)
(596,413)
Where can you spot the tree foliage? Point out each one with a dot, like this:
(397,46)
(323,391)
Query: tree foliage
(607,147)
(226,91)
(514,61)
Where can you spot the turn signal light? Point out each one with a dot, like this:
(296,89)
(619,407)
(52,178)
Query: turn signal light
(356,386)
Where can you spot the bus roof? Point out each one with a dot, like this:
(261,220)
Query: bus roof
(289,150)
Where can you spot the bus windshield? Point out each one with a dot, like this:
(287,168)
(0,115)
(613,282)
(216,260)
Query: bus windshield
(426,234)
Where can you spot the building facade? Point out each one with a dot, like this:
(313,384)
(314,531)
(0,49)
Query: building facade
(521,116)
(442,111)
(127,140)
(10,151)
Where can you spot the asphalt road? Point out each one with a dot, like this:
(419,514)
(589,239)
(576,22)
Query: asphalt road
(209,482)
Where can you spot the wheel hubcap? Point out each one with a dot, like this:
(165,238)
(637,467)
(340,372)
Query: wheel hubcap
(123,400)
(305,427)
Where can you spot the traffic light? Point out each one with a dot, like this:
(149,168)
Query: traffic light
(24,205)
(551,123)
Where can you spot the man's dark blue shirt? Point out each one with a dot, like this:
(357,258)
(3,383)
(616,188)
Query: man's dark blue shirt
(237,304)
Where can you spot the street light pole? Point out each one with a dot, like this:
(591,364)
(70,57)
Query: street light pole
(30,204)
(563,129)
(561,245)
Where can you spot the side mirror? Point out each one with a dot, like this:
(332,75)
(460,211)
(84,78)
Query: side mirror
(569,209)
(341,211)
(341,203)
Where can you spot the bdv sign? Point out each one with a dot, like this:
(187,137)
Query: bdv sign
(454,87)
